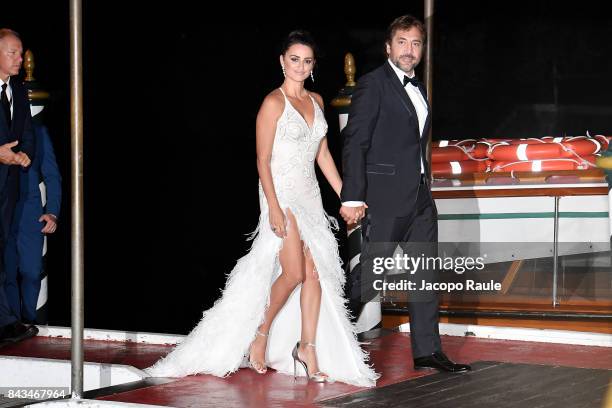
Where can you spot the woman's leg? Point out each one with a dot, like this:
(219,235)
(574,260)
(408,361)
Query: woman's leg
(291,259)
(310,302)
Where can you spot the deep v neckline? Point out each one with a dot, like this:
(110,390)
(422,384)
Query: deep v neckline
(314,110)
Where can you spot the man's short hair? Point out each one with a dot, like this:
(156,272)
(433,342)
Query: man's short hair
(405,23)
(5,32)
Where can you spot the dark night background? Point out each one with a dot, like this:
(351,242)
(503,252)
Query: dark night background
(171,94)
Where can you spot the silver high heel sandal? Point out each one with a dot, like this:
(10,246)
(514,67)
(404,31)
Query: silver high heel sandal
(318,377)
(258,366)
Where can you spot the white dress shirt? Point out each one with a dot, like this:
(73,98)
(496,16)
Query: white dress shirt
(420,105)
(416,97)
(9,93)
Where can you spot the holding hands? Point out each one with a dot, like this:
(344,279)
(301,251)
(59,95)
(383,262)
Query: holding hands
(352,215)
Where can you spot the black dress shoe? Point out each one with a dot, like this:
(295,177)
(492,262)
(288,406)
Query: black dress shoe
(17,331)
(440,362)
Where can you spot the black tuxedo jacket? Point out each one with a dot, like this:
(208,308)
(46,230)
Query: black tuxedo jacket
(20,129)
(382,145)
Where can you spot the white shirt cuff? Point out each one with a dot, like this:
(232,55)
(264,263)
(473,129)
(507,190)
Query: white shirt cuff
(353,203)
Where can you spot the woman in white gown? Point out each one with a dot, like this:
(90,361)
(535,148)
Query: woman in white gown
(283,305)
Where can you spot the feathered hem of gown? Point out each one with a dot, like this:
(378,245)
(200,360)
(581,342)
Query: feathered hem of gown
(220,341)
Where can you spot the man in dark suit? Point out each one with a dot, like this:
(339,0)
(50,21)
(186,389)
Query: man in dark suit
(385,177)
(35,216)
(17,148)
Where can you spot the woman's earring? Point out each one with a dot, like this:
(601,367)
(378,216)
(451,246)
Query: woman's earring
(311,76)
(283,68)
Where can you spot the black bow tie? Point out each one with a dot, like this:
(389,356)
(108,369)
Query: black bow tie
(414,81)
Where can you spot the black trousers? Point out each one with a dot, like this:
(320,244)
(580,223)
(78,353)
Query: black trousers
(381,235)
(8,200)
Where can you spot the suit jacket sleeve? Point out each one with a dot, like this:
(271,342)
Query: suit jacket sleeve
(50,172)
(27,142)
(357,134)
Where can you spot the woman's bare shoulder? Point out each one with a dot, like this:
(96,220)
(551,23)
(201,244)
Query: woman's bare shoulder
(274,102)
(318,99)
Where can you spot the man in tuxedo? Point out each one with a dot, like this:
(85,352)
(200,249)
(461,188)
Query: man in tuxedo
(385,178)
(17,147)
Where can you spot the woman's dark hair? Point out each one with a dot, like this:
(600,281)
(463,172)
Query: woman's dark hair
(300,37)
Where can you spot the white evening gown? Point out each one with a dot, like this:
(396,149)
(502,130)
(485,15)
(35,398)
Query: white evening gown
(219,343)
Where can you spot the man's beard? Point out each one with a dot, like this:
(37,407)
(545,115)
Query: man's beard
(412,63)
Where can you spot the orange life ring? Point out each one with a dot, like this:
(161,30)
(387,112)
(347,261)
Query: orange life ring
(604,140)
(480,151)
(448,153)
(544,165)
(493,141)
(547,147)
(533,140)
(453,142)
(524,151)
(579,146)
(459,153)
(458,167)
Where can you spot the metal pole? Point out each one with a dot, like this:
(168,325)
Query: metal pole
(555,252)
(76,173)
(429,17)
